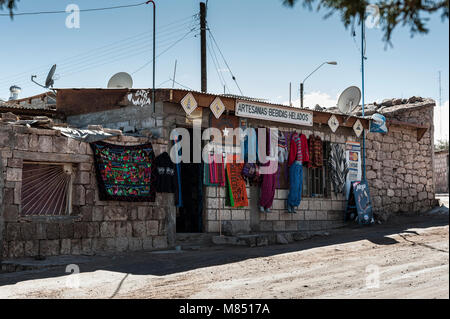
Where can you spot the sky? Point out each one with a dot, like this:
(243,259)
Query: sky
(265,44)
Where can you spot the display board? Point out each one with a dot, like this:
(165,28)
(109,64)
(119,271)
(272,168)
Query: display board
(359,205)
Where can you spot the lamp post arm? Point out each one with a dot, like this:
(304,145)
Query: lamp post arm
(314,71)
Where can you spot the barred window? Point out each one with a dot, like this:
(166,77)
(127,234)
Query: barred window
(316,181)
(46,189)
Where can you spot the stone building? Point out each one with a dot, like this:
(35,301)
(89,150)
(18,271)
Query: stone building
(399,171)
(441,171)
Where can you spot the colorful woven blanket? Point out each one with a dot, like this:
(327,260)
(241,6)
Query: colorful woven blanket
(125,173)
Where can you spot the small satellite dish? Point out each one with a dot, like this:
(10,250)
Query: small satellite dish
(349,100)
(49,81)
(120,80)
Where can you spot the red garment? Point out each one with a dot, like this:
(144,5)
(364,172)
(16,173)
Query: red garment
(316,155)
(292,150)
(304,150)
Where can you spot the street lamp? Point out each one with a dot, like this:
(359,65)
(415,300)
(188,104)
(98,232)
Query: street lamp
(301,84)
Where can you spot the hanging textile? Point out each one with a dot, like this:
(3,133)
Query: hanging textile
(268,184)
(166,177)
(125,173)
(178,192)
(283,167)
(217,170)
(249,148)
(315,152)
(235,182)
(214,171)
(338,168)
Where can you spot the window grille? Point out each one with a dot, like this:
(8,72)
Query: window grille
(316,181)
(46,189)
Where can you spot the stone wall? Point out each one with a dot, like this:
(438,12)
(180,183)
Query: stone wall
(313,214)
(94,226)
(400,168)
(441,171)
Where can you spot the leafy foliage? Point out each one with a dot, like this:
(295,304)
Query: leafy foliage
(10,4)
(441,145)
(392,12)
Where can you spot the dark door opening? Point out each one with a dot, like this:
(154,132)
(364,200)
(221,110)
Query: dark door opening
(190,215)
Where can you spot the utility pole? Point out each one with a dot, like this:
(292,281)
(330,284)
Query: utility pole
(203,46)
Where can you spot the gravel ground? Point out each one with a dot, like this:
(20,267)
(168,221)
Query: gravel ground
(406,258)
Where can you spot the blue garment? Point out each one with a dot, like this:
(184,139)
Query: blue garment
(250,146)
(295,184)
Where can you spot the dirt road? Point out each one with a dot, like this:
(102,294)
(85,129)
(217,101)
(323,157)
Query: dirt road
(406,259)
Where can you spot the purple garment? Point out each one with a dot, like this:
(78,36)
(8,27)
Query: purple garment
(269,181)
(268,190)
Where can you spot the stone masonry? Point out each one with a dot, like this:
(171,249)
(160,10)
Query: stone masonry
(94,226)
(313,214)
(400,168)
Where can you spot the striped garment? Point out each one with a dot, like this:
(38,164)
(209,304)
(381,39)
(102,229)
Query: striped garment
(298,147)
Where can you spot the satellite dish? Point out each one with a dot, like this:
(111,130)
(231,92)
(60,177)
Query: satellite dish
(120,80)
(49,81)
(349,99)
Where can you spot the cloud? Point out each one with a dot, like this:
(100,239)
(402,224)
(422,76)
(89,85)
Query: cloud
(441,126)
(311,99)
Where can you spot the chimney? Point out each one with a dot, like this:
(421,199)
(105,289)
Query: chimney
(15,91)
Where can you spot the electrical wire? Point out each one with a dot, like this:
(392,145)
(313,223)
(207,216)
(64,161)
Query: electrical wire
(186,87)
(107,58)
(111,48)
(171,46)
(226,63)
(125,57)
(81,10)
(217,66)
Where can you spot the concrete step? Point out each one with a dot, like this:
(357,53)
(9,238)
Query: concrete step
(265,239)
(193,241)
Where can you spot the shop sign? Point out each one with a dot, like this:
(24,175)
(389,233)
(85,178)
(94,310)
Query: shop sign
(358,128)
(273,113)
(217,107)
(333,123)
(189,103)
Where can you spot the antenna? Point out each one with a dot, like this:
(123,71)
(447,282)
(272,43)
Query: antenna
(49,81)
(174,73)
(120,80)
(349,100)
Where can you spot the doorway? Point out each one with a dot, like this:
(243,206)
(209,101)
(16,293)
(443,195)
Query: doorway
(190,214)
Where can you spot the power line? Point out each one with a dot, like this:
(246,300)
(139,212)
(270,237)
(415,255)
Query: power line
(179,27)
(186,87)
(81,10)
(217,66)
(170,31)
(145,50)
(175,43)
(226,63)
